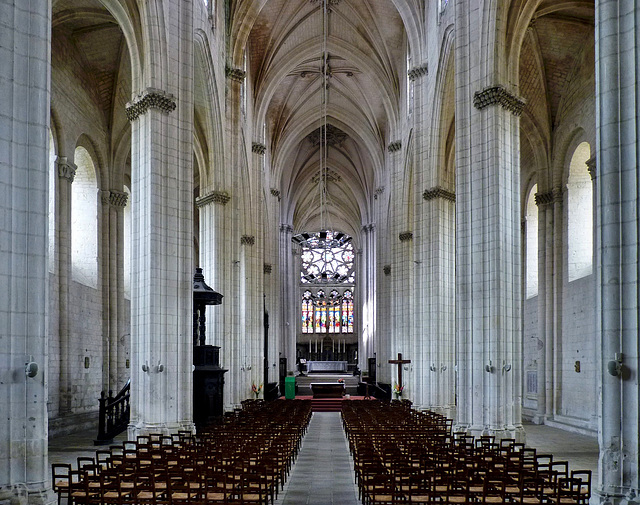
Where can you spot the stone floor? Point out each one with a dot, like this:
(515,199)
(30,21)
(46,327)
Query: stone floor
(323,472)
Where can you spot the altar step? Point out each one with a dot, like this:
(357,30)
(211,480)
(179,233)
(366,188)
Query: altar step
(328,404)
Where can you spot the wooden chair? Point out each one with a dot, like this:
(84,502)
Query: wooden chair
(61,480)
(494,490)
(381,490)
(531,491)
(584,476)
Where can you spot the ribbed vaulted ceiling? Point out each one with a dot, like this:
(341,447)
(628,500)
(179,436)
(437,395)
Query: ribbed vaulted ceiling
(365,46)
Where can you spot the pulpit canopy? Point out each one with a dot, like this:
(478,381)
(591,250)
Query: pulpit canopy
(203,294)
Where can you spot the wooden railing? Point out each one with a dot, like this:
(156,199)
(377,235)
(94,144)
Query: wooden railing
(114,414)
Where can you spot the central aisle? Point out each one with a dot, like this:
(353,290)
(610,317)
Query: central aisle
(323,472)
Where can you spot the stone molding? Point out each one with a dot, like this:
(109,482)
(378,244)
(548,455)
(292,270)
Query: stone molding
(286,228)
(378,192)
(267,268)
(405,236)
(394,146)
(386,269)
(439,192)
(219,197)
(258,148)
(548,198)
(66,170)
(118,198)
(417,72)
(498,95)
(235,74)
(150,98)
(329,2)
(247,240)
(276,193)
(591,167)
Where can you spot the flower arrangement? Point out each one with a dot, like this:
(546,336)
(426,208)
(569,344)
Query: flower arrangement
(341,380)
(397,389)
(256,389)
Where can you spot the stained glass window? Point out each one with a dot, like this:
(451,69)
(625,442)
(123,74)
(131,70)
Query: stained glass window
(327,257)
(328,262)
(347,312)
(332,314)
(307,313)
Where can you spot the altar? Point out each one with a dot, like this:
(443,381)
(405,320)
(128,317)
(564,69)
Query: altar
(328,389)
(326,366)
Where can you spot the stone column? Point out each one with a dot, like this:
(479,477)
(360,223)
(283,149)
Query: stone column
(212,206)
(24,276)
(367,290)
(435,361)
(383,278)
(401,282)
(617,126)
(288,293)
(250,340)
(66,174)
(217,265)
(488,271)
(114,202)
(162,229)
(549,294)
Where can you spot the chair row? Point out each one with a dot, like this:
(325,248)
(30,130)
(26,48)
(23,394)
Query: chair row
(403,456)
(244,459)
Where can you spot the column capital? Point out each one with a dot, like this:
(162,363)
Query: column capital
(235,74)
(405,236)
(367,228)
(66,169)
(118,198)
(549,197)
(379,190)
(276,193)
(247,240)
(150,98)
(386,269)
(439,192)
(286,228)
(592,167)
(267,268)
(499,95)
(219,197)
(417,72)
(258,148)
(394,146)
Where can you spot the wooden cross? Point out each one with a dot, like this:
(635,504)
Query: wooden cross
(399,362)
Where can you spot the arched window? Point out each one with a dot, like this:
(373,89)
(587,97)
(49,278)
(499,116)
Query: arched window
(321,313)
(84,220)
(328,263)
(307,312)
(53,175)
(332,314)
(347,312)
(579,215)
(531,244)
